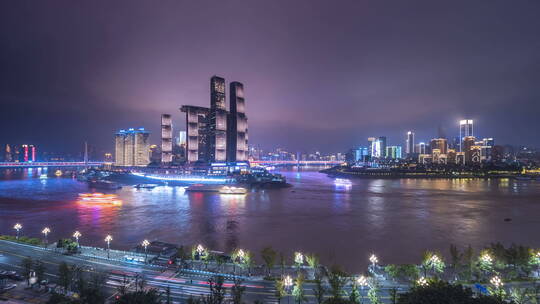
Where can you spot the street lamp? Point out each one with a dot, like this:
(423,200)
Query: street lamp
(77,235)
(299,259)
(288,282)
(374,260)
(145,244)
(108,239)
(496,281)
(422,282)
(200,250)
(17,227)
(241,255)
(46,231)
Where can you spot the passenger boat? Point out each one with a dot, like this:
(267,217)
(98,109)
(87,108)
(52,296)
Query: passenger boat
(146,186)
(99,198)
(232,190)
(104,184)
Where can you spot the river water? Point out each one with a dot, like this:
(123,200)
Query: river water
(395,218)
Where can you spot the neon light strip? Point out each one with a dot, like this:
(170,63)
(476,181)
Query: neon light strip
(183,179)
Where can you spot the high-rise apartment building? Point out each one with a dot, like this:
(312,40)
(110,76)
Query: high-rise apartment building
(166,139)
(409,144)
(420,148)
(132,147)
(210,131)
(465,130)
(393,152)
(439,143)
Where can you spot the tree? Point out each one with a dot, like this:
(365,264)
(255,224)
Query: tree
(373,293)
(337,280)
(217,291)
(455,257)
(168,294)
(27,265)
(269,257)
(237,291)
(354,296)
(407,272)
(298,290)
(319,289)
(39,268)
(312,260)
(151,296)
(468,260)
(432,261)
(441,292)
(393,293)
(280,290)
(65,275)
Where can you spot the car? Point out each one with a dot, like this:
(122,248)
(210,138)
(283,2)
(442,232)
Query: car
(15,277)
(8,287)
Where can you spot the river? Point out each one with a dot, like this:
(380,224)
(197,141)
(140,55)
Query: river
(395,218)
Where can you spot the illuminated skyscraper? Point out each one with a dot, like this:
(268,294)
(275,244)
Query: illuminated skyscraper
(382,147)
(217,128)
(393,152)
(196,133)
(465,129)
(132,147)
(8,157)
(439,143)
(237,131)
(409,144)
(166,139)
(213,134)
(420,148)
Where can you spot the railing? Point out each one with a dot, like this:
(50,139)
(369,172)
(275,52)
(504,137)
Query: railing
(48,164)
(295,162)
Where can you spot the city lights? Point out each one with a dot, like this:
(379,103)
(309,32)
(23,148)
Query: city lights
(17,227)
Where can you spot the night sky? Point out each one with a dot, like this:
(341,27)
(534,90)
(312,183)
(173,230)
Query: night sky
(318,74)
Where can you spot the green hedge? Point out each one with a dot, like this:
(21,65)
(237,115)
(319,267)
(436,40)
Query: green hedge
(22,239)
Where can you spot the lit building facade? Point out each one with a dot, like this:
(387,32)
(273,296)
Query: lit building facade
(439,143)
(132,148)
(393,152)
(237,132)
(166,139)
(465,130)
(210,131)
(409,144)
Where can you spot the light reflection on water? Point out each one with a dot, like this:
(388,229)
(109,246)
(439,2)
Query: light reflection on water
(397,219)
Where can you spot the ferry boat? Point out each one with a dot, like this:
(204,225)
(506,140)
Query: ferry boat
(99,198)
(104,184)
(145,186)
(203,188)
(232,190)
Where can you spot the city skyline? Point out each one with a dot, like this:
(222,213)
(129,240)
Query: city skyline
(392,68)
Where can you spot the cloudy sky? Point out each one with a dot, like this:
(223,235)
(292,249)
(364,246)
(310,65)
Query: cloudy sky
(318,74)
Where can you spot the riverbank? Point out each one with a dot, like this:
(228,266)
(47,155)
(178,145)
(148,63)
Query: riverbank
(397,173)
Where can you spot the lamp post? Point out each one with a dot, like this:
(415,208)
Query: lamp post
(287,281)
(46,231)
(498,284)
(298,259)
(17,227)
(77,235)
(374,260)
(145,244)
(422,282)
(108,239)
(362,281)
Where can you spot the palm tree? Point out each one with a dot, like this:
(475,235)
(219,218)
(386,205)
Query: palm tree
(298,290)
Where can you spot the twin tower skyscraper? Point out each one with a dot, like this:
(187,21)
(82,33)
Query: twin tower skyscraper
(215,134)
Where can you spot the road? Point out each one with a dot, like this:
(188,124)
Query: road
(182,285)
